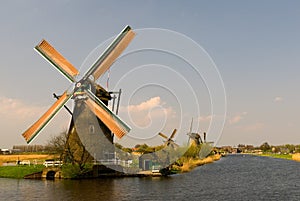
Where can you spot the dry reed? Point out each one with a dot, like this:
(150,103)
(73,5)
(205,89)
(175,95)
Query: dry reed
(296,157)
(14,158)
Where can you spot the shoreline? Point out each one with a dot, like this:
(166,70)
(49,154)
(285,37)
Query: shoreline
(191,163)
(25,171)
(294,157)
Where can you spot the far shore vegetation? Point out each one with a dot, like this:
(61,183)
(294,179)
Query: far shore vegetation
(277,155)
(287,151)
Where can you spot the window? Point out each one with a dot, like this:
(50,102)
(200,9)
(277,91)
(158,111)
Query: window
(91,129)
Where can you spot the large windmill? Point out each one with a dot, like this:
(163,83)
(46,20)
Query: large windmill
(90,98)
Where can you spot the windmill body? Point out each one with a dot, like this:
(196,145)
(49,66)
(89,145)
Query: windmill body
(87,131)
(194,138)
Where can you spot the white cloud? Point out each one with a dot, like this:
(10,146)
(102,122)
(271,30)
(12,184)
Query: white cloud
(142,114)
(278,99)
(207,118)
(146,105)
(237,118)
(15,108)
(16,116)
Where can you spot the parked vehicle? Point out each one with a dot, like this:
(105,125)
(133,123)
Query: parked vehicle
(23,162)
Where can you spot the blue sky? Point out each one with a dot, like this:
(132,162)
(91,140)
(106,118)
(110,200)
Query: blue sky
(254,44)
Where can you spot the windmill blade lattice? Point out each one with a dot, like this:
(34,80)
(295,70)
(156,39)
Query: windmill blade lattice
(33,131)
(111,53)
(57,60)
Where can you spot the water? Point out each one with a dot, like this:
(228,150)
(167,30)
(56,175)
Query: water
(239,177)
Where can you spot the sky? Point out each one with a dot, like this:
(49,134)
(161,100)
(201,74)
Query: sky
(251,48)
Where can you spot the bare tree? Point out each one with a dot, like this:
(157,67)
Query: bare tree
(69,148)
(74,151)
(56,144)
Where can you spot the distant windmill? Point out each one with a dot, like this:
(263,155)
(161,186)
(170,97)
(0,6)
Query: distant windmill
(169,140)
(194,138)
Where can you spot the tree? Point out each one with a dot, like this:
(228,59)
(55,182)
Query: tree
(56,144)
(119,146)
(265,147)
(69,148)
(290,147)
(75,152)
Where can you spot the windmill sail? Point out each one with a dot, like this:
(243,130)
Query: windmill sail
(173,134)
(111,53)
(162,135)
(57,60)
(32,132)
(169,140)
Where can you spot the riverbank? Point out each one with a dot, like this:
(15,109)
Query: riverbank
(9,167)
(274,155)
(21,171)
(295,157)
(189,164)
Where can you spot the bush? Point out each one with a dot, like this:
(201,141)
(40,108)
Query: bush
(70,171)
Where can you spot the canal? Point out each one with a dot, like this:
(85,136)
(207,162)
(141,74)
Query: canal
(235,177)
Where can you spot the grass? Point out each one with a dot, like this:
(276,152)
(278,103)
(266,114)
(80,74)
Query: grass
(18,172)
(22,170)
(282,156)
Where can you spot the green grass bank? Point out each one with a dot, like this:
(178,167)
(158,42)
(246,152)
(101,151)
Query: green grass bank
(18,172)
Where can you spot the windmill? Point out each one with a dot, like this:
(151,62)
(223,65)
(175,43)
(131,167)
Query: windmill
(169,140)
(195,137)
(89,97)
(196,140)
